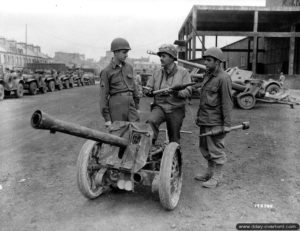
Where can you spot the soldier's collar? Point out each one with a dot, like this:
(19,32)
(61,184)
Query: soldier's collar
(115,65)
(215,72)
(171,69)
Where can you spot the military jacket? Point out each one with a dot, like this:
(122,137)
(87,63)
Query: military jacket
(215,100)
(115,79)
(161,79)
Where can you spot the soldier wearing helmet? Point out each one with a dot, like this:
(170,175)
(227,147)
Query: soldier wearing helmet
(119,97)
(214,113)
(169,107)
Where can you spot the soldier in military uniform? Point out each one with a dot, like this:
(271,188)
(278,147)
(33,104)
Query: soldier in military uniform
(168,107)
(214,113)
(119,98)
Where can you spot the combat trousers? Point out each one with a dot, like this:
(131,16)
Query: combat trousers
(212,147)
(173,121)
(122,108)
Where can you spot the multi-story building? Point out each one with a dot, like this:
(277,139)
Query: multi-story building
(138,64)
(75,60)
(17,54)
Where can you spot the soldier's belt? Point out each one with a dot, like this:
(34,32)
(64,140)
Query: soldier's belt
(127,93)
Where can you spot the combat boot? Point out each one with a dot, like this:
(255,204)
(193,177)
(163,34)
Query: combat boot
(215,180)
(209,172)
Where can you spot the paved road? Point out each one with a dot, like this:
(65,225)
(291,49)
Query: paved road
(38,172)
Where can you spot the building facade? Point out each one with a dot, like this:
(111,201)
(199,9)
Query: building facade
(139,64)
(272,55)
(17,54)
(272,33)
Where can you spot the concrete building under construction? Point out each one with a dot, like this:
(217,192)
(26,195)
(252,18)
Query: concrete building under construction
(272,35)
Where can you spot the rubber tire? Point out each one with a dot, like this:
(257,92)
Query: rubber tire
(43,89)
(67,84)
(168,199)
(71,83)
(2,92)
(51,86)
(241,103)
(33,89)
(60,86)
(20,91)
(273,87)
(83,182)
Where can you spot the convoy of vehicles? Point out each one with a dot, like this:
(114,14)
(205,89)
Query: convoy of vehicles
(42,78)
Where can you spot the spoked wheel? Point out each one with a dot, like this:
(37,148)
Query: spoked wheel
(170,176)
(246,101)
(90,180)
(2,92)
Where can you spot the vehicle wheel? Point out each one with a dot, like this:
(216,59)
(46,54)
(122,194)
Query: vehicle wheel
(1,92)
(33,88)
(246,101)
(51,86)
(20,90)
(43,89)
(90,181)
(71,83)
(60,86)
(67,84)
(170,176)
(273,89)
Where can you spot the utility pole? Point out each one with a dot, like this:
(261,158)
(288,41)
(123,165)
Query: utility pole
(25,43)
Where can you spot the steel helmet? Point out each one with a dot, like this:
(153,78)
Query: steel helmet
(119,44)
(169,49)
(214,52)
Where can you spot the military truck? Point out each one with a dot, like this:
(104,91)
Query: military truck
(41,83)
(30,82)
(10,83)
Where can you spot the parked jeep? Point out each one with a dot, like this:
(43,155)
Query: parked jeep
(11,83)
(57,81)
(41,82)
(30,82)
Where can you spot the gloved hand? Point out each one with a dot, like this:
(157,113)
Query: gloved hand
(148,92)
(107,124)
(174,93)
(226,129)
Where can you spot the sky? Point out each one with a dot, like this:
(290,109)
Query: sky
(88,26)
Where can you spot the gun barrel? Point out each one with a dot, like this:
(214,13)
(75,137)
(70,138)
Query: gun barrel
(197,65)
(41,120)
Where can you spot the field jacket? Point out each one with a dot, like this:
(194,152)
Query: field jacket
(115,79)
(215,100)
(162,79)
